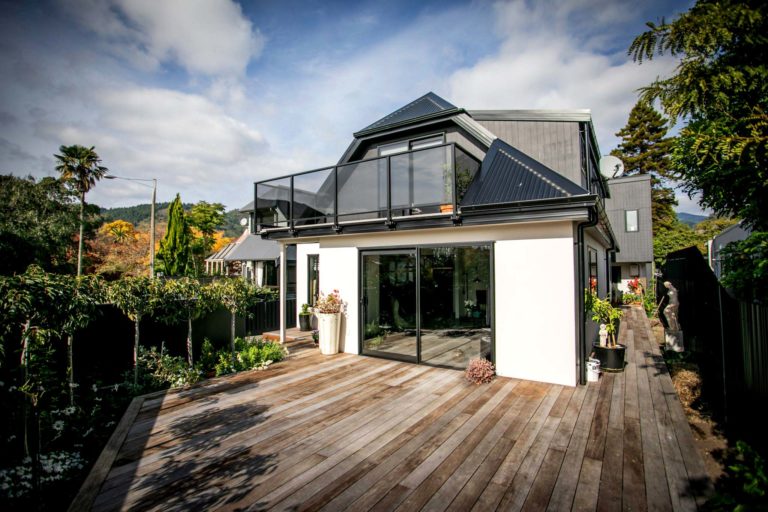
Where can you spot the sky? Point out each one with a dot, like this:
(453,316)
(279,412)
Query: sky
(208,96)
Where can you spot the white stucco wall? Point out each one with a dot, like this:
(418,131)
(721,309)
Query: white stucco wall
(534,300)
(338,271)
(535,322)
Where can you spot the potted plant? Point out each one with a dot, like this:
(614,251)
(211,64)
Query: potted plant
(305,318)
(328,309)
(608,351)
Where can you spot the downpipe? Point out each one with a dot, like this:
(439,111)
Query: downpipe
(581,315)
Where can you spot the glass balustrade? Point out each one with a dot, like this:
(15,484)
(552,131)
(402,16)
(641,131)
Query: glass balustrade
(418,182)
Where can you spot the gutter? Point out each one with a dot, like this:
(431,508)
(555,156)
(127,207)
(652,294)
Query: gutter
(581,315)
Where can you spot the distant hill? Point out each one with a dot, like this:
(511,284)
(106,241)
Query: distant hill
(690,219)
(141,212)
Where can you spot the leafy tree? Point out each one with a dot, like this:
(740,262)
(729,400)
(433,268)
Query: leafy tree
(175,246)
(119,230)
(745,266)
(79,305)
(645,149)
(205,218)
(720,87)
(239,297)
(38,220)
(136,297)
(186,299)
(79,166)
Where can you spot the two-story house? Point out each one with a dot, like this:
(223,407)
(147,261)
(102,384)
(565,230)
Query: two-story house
(629,210)
(455,234)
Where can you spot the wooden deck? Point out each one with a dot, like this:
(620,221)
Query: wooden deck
(354,433)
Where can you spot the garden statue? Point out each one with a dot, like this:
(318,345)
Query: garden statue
(603,335)
(673,334)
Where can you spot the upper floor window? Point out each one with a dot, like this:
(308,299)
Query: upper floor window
(406,145)
(631,220)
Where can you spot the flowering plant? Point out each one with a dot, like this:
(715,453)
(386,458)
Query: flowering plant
(330,303)
(470,306)
(634,286)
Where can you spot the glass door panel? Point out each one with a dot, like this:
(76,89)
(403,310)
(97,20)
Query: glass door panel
(455,309)
(389,304)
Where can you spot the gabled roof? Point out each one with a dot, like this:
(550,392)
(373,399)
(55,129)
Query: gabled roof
(508,175)
(255,248)
(428,106)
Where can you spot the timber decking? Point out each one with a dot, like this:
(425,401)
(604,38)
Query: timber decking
(353,433)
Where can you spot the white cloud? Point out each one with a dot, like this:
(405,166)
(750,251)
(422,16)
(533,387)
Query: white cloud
(546,62)
(205,37)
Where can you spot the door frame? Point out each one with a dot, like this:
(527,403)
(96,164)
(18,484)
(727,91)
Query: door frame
(417,251)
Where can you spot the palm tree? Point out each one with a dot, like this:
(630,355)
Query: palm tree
(80,167)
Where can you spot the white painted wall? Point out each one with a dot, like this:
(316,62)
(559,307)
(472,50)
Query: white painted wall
(339,271)
(535,322)
(533,290)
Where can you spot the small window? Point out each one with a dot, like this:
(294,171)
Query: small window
(405,145)
(592,269)
(427,143)
(630,217)
(634,270)
(391,149)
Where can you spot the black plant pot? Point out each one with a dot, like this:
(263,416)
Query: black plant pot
(611,359)
(305,322)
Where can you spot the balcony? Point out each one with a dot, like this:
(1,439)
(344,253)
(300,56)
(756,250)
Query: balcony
(427,183)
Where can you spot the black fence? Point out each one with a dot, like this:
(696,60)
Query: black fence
(104,350)
(728,337)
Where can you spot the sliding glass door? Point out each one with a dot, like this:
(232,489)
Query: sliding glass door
(429,305)
(389,304)
(455,315)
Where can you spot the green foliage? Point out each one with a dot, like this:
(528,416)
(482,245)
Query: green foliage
(674,237)
(239,296)
(603,313)
(159,370)
(720,87)
(79,167)
(138,213)
(745,484)
(305,310)
(250,354)
(208,356)
(745,266)
(174,253)
(38,220)
(135,296)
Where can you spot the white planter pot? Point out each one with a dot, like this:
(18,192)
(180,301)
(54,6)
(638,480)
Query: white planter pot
(329,325)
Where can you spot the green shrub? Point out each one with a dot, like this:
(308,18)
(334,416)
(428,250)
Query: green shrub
(160,370)
(250,354)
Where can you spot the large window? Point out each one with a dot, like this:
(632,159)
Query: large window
(631,220)
(430,305)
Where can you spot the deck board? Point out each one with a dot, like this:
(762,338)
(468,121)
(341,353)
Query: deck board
(357,433)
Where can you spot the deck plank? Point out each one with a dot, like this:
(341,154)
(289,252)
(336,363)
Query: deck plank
(358,433)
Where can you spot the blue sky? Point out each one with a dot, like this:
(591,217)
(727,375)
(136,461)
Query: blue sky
(211,95)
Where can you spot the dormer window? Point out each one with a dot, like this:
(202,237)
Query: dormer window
(406,145)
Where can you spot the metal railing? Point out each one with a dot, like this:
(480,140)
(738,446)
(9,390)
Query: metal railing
(427,181)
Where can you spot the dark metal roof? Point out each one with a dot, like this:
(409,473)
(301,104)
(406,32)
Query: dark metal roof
(429,105)
(254,248)
(510,176)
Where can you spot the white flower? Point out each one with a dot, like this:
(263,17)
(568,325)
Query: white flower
(58,426)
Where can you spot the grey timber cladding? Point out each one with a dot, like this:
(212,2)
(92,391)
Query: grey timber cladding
(553,143)
(509,176)
(631,193)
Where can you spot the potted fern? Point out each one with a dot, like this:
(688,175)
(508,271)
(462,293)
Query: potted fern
(328,309)
(607,351)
